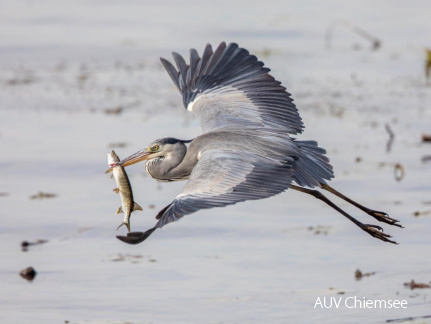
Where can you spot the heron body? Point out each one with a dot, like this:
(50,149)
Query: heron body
(246,151)
(178,161)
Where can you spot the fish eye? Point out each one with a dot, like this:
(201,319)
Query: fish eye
(155,148)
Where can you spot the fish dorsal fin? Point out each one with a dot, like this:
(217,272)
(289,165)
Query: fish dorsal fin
(119,210)
(116,190)
(137,207)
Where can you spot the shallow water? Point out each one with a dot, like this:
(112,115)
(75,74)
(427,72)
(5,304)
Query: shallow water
(263,261)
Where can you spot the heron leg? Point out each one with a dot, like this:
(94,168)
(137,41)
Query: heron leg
(373,230)
(380,216)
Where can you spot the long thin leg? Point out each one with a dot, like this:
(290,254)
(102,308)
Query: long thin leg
(373,230)
(380,216)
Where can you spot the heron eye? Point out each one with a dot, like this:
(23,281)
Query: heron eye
(155,148)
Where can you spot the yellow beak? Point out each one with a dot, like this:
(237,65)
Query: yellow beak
(137,157)
(132,159)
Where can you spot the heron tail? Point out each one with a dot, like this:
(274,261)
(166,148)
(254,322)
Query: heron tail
(312,168)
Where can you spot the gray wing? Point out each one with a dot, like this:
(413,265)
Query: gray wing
(222,178)
(229,87)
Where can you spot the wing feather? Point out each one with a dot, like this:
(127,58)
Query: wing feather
(232,71)
(194,61)
(173,73)
(223,178)
(208,51)
(181,65)
(228,54)
(214,59)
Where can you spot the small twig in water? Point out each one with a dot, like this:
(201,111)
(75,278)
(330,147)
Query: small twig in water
(421,213)
(407,319)
(376,43)
(413,285)
(391,138)
(428,64)
(359,275)
(42,195)
(26,244)
(399,172)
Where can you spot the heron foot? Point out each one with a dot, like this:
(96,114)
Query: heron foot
(383,217)
(377,232)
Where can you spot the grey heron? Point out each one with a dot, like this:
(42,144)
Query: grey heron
(246,151)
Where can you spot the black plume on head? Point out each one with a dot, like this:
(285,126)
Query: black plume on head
(172,140)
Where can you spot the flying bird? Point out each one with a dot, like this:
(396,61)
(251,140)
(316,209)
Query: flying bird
(248,149)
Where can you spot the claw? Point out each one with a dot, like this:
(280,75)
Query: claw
(377,232)
(383,217)
(375,226)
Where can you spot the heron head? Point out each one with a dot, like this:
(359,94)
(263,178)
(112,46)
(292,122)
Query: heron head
(163,147)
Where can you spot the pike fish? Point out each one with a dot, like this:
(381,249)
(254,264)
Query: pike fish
(124,188)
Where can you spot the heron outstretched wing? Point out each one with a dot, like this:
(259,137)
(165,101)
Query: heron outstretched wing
(230,87)
(222,178)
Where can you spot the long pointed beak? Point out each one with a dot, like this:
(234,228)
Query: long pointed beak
(132,159)
(135,158)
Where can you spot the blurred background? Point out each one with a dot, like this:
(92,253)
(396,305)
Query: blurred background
(79,78)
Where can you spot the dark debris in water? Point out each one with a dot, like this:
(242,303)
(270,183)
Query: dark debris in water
(84,229)
(415,285)
(341,292)
(117,145)
(426,138)
(421,213)
(391,138)
(43,195)
(4,194)
(359,275)
(113,111)
(28,273)
(407,319)
(26,244)
(428,64)
(132,258)
(374,41)
(399,172)
(319,230)
(20,81)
